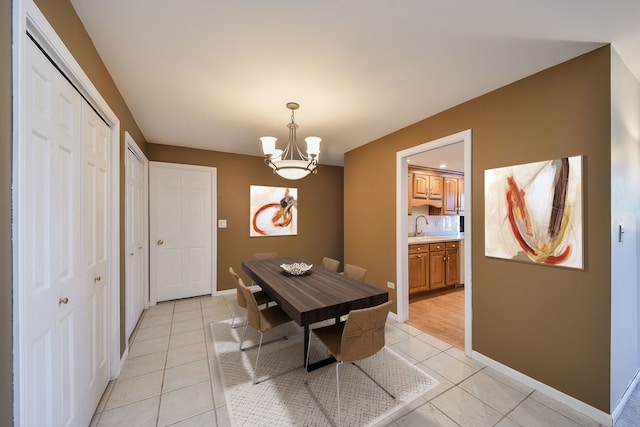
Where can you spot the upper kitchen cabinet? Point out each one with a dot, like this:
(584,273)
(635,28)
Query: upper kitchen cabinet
(427,187)
(442,191)
(453,203)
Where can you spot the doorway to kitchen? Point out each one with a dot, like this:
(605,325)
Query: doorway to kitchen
(440,230)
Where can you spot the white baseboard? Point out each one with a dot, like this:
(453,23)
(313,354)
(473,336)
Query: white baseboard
(625,397)
(588,410)
(123,359)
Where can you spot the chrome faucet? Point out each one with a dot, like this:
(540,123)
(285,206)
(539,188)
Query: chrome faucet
(425,220)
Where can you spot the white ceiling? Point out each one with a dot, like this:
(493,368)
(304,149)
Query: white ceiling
(217,74)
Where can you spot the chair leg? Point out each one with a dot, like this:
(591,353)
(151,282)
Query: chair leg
(338,390)
(386,362)
(243,335)
(255,368)
(234,318)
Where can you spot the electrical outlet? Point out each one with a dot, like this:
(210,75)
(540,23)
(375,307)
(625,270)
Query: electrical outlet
(391,285)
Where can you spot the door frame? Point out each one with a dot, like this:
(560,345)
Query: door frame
(130,144)
(153,292)
(402,228)
(27,18)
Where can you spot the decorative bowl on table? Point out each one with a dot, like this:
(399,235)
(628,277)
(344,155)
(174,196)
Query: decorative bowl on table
(297,268)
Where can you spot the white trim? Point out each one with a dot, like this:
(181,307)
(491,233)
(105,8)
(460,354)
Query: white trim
(625,397)
(573,403)
(153,294)
(402,255)
(28,18)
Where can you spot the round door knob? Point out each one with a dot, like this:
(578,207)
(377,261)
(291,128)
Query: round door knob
(63,300)
(131,254)
(97,279)
(160,242)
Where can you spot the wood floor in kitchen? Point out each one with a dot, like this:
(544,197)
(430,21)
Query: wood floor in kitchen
(440,314)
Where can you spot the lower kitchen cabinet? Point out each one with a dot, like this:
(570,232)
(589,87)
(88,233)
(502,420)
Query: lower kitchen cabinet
(418,268)
(443,264)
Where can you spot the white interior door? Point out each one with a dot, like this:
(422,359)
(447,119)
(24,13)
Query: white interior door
(58,337)
(135,238)
(181,232)
(48,263)
(96,222)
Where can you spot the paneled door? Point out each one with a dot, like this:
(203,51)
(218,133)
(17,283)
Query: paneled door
(181,230)
(96,236)
(61,338)
(135,236)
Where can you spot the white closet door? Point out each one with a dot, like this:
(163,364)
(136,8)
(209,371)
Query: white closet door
(96,234)
(134,238)
(50,271)
(180,230)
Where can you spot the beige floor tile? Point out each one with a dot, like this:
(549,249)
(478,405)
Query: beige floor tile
(155,345)
(222,417)
(492,392)
(186,326)
(186,338)
(187,315)
(135,389)
(154,321)
(160,309)
(187,354)
(139,414)
(465,409)
(532,413)
(565,410)
(426,415)
(185,403)
(153,332)
(450,367)
(186,375)
(459,354)
(142,365)
(417,349)
(522,388)
(187,304)
(393,335)
(443,383)
(207,419)
(431,340)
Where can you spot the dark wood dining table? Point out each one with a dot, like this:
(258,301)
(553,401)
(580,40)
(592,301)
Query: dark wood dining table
(317,295)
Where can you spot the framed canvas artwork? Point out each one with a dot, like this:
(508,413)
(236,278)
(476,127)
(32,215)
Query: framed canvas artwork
(273,211)
(533,212)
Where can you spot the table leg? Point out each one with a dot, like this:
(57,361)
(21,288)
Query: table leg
(315,365)
(306,345)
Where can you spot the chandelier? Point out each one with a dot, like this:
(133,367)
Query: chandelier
(291,163)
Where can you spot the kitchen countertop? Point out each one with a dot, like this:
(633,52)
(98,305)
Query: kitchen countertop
(433,239)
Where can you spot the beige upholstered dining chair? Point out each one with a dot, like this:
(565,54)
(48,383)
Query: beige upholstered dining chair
(355,272)
(265,255)
(359,337)
(330,264)
(261,297)
(261,320)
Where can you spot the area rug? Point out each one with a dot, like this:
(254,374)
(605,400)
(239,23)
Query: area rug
(288,396)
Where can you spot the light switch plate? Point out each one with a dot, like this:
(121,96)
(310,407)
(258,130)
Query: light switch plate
(222,223)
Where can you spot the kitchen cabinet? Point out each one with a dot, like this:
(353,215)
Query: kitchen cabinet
(426,187)
(418,268)
(444,264)
(453,202)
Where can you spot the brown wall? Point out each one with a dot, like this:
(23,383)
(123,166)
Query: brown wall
(320,207)
(6,306)
(63,18)
(550,323)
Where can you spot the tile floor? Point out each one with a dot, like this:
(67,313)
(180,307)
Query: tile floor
(170,379)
